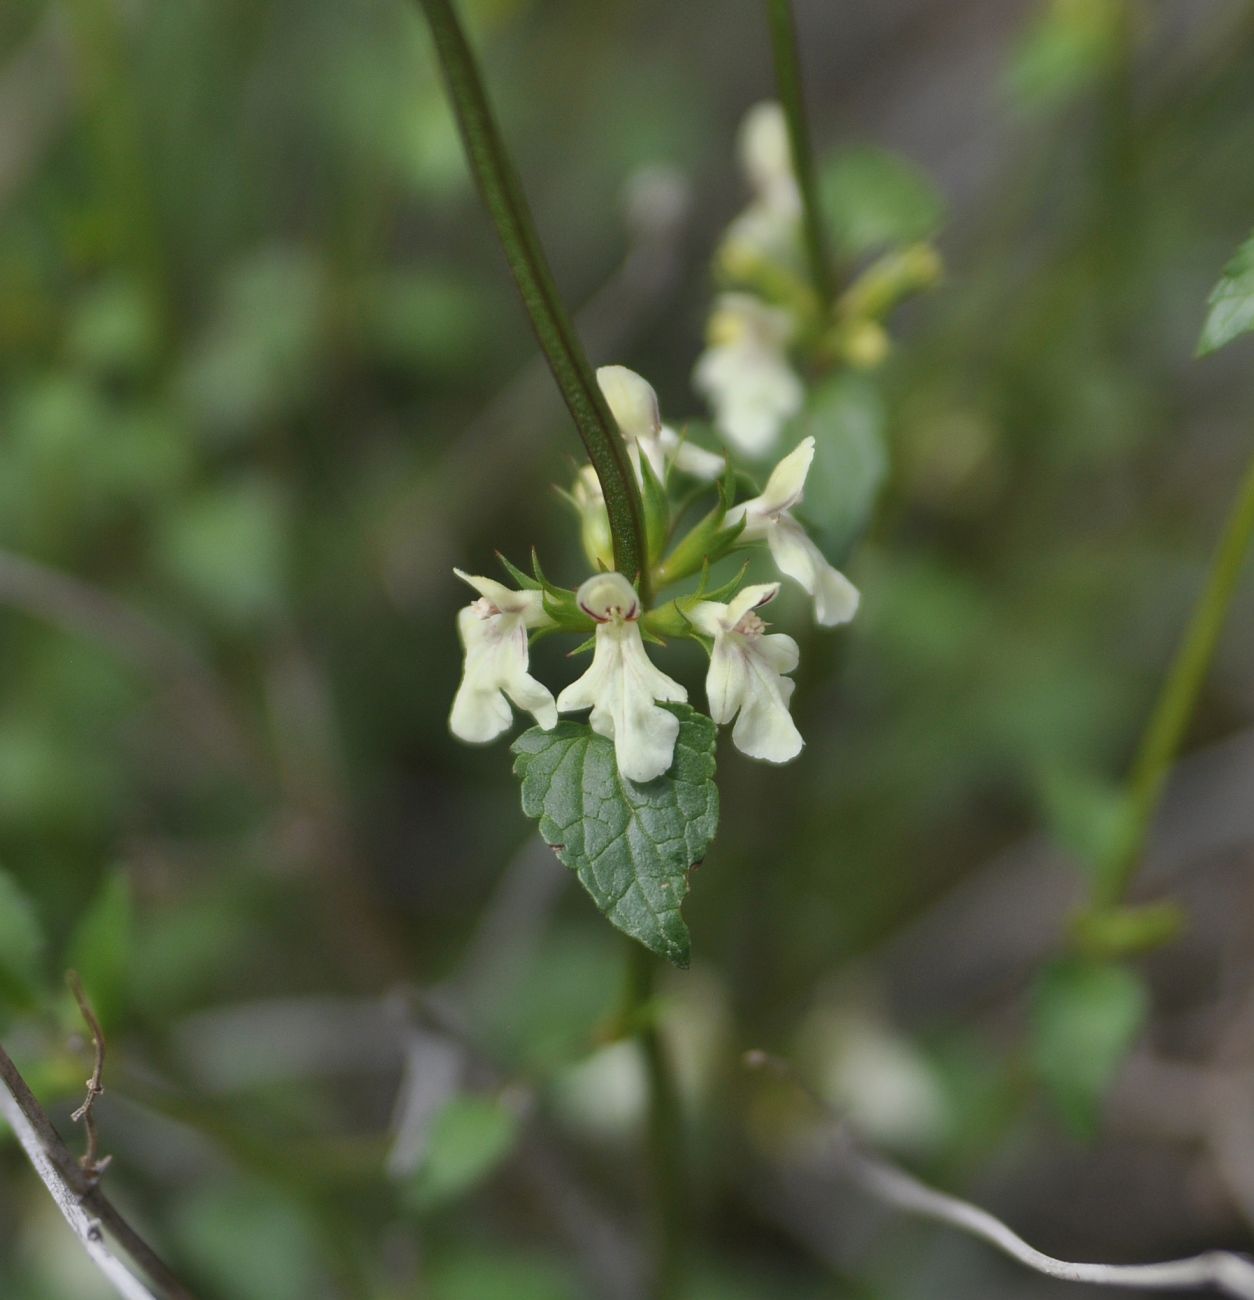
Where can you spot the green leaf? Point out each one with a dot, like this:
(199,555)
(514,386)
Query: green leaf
(21,946)
(846,417)
(873,198)
(1231,302)
(630,845)
(1087,1016)
(469,1139)
(101,948)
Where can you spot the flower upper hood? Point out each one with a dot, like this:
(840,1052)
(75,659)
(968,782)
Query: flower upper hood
(768,518)
(622,686)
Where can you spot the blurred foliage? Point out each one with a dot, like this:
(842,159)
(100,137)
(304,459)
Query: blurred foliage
(1087,1016)
(1231,302)
(265,382)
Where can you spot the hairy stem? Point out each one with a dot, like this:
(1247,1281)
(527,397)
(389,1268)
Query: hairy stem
(1179,693)
(788,85)
(665,1136)
(507,204)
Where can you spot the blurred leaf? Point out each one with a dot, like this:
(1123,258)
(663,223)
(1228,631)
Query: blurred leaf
(112,330)
(1231,302)
(259,356)
(846,417)
(424,317)
(250,1241)
(145,454)
(874,198)
(486,1271)
(21,945)
(228,548)
(469,1138)
(1065,50)
(179,948)
(630,845)
(552,1009)
(101,948)
(1087,815)
(1087,1016)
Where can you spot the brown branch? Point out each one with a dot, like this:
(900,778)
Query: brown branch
(92,1216)
(90,1161)
(1228,1273)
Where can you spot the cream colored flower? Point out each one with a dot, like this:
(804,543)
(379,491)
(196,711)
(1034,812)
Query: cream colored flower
(634,406)
(493,632)
(622,686)
(746,676)
(768,518)
(745,373)
(769,228)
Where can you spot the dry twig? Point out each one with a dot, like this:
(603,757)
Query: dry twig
(1216,1270)
(90,1161)
(76,1191)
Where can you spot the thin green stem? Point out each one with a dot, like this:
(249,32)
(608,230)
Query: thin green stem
(788,84)
(507,204)
(665,1137)
(1179,693)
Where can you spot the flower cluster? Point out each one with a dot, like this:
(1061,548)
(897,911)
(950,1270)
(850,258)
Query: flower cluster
(768,313)
(747,682)
(766,323)
(746,373)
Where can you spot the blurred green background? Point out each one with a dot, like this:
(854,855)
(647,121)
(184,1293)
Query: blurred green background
(265,380)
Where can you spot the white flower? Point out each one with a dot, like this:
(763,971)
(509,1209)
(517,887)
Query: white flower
(769,227)
(766,155)
(745,373)
(746,674)
(768,518)
(493,631)
(684,455)
(622,685)
(633,404)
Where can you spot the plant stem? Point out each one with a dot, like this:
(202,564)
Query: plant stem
(1179,693)
(507,204)
(788,84)
(665,1135)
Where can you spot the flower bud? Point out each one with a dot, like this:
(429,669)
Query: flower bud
(765,150)
(594,519)
(632,402)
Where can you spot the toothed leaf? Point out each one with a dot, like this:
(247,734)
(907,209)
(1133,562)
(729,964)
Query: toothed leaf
(631,845)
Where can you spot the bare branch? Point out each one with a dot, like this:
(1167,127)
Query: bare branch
(77,1194)
(90,1161)
(1223,1271)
